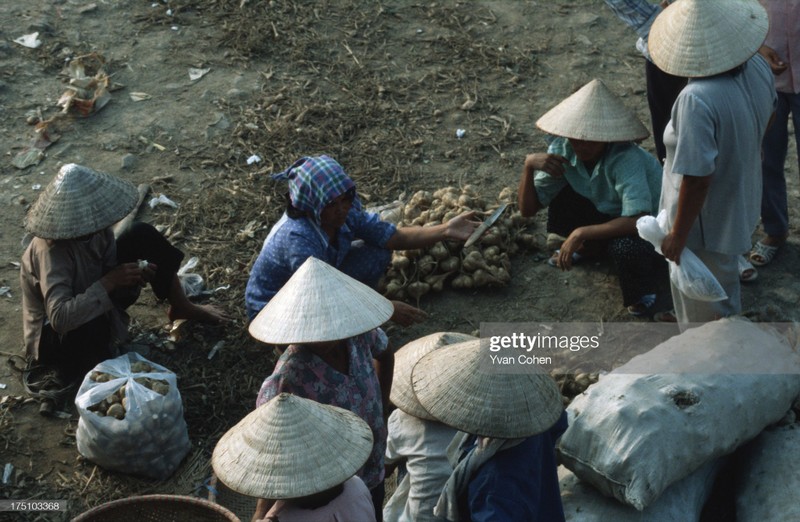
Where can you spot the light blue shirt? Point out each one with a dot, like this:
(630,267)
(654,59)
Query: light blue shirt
(625,182)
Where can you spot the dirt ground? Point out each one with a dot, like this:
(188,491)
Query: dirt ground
(198,88)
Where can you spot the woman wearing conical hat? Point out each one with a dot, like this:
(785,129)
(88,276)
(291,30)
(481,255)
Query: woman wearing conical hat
(336,353)
(504,457)
(77,278)
(302,454)
(417,443)
(596,182)
(712,183)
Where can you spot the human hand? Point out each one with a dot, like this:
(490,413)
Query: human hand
(148,271)
(461,227)
(672,247)
(125,275)
(571,245)
(773,59)
(553,164)
(406,315)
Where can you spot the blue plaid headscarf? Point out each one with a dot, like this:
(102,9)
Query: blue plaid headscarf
(314,182)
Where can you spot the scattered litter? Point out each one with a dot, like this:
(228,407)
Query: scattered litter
(27,157)
(36,186)
(6,291)
(460,133)
(7,471)
(215,349)
(169,12)
(221,288)
(162,200)
(30,41)
(87,8)
(192,284)
(86,93)
(140,96)
(3,386)
(196,74)
(175,28)
(255,158)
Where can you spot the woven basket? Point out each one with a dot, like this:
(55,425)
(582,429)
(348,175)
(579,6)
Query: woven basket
(242,505)
(158,508)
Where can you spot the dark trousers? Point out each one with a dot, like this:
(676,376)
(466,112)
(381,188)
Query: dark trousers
(662,91)
(638,264)
(378,493)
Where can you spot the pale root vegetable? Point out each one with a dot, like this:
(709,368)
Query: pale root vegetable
(492,237)
(422,198)
(473,261)
(449,215)
(507,195)
(491,251)
(393,288)
(462,281)
(483,277)
(437,281)
(411,212)
(526,240)
(500,273)
(465,200)
(518,219)
(450,264)
(400,261)
(116,411)
(439,193)
(426,264)
(418,289)
(439,251)
(450,200)
(436,213)
(470,190)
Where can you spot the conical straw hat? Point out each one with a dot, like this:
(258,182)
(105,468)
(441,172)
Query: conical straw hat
(319,303)
(593,113)
(451,385)
(80,201)
(291,447)
(406,357)
(696,38)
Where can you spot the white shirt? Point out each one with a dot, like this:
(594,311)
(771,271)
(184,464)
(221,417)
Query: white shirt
(423,444)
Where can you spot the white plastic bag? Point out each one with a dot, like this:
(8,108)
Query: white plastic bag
(192,284)
(151,439)
(692,277)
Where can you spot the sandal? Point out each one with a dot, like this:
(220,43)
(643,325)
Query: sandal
(643,306)
(553,261)
(747,272)
(762,254)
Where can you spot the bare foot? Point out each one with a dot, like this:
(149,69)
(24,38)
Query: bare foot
(196,312)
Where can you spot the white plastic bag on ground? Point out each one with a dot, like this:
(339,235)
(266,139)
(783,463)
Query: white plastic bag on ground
(149,438)
(769,477)
(692,277)
(683,501)
(633,434)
